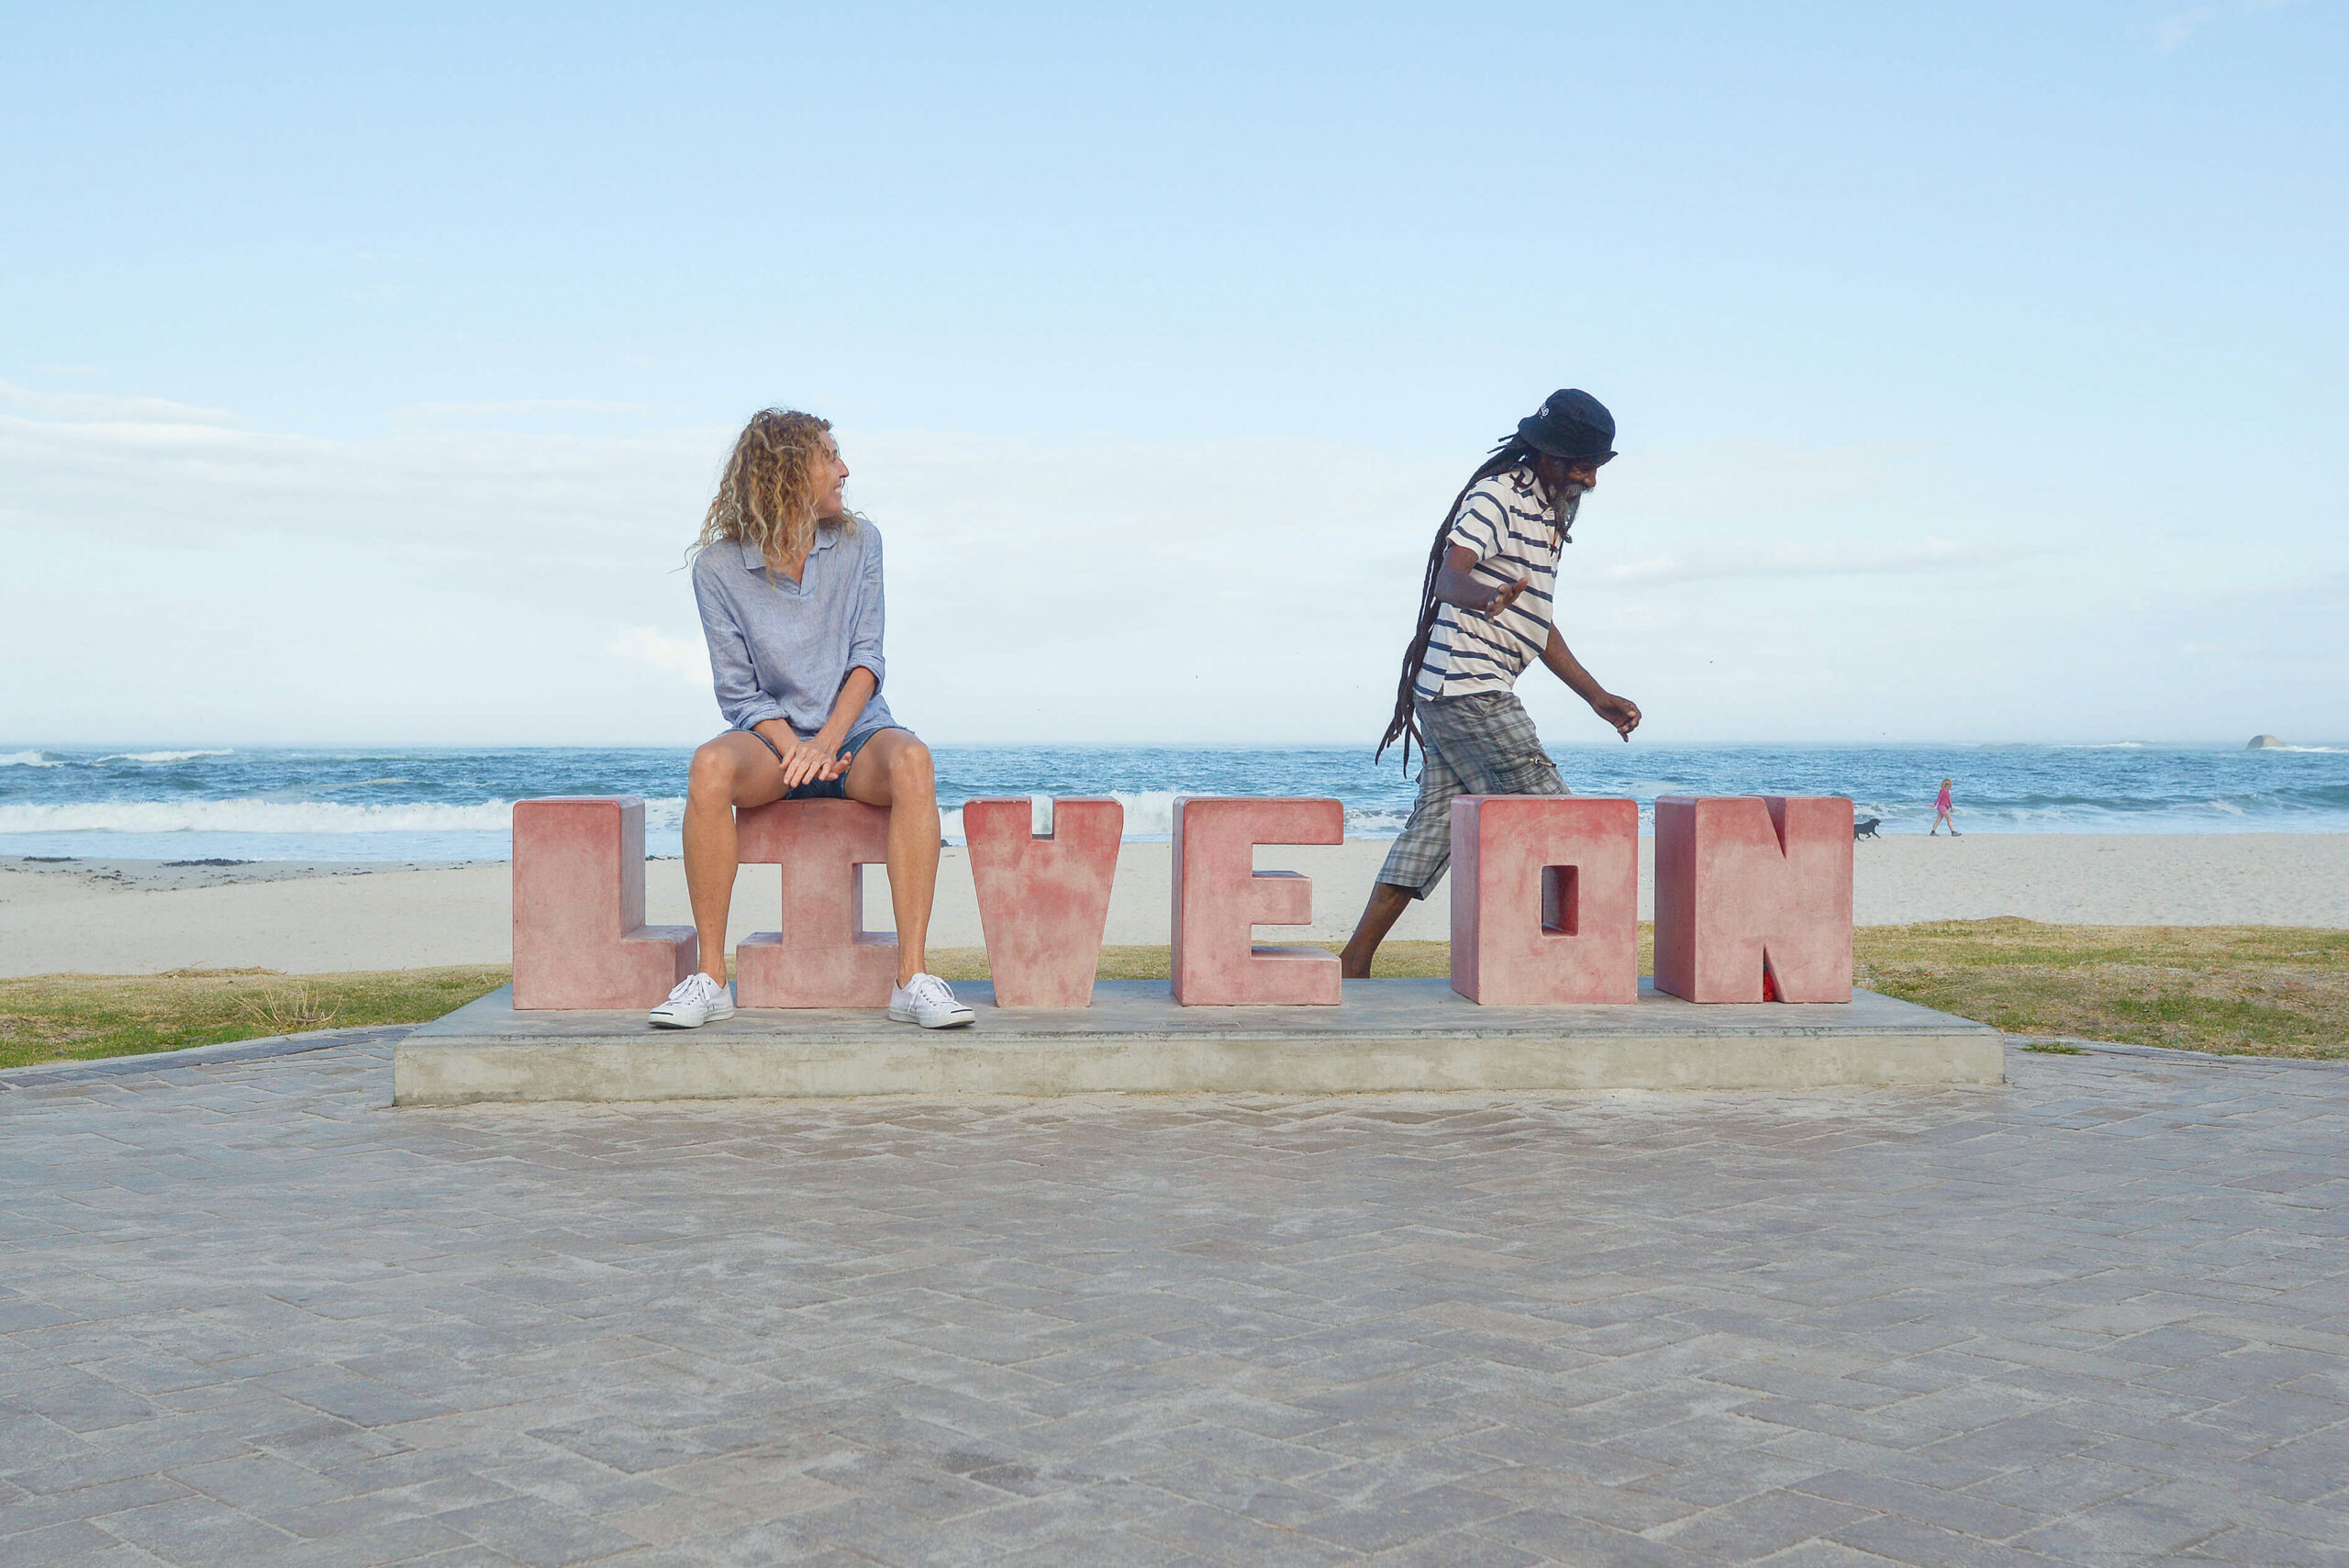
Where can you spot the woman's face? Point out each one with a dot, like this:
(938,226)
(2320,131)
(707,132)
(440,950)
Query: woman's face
(830,504)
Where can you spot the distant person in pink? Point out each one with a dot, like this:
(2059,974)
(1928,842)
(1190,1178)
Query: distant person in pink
(1941,811)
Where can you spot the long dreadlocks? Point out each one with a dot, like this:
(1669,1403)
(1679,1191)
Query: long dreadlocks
(1512,453)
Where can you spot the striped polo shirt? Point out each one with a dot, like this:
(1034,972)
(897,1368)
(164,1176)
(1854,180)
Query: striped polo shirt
(1515,534)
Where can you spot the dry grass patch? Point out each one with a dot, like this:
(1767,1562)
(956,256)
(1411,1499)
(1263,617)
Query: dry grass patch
(2260,990)
(56,1018)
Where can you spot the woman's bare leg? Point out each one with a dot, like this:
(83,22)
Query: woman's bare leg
(895,769)
(733,770)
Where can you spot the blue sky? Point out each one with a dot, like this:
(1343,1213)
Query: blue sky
(1980,375)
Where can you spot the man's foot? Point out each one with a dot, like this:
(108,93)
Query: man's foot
(928,1001)
(697,1000)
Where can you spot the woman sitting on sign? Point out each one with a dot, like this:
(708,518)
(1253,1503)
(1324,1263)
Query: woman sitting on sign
(789,584)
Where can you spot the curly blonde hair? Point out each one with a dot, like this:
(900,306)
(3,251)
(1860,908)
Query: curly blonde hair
(773,481)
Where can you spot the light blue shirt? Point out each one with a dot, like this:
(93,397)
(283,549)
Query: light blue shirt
(780,648)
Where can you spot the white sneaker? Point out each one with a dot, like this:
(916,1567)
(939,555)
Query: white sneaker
(928,1001)
(697,1000)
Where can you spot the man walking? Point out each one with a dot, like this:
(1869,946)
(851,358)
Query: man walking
(1484,614)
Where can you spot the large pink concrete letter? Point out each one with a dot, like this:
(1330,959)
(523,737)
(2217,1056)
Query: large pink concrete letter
(1750,882)
(580,939)
(1219,895)
(823,957)
(1545,899)
(1044,899)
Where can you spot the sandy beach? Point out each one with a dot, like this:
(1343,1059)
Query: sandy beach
(135,917)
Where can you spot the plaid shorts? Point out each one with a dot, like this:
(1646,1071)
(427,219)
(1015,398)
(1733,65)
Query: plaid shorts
(1483,743)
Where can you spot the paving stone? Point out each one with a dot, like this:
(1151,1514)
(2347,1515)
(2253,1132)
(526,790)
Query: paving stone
(1454,1548)
(1725,1478)
(1107,1548)
(1380,1524)
(1562,1538)
(2095,1315)
(1222,1536)
(2127,1528)
(1910,1540)
(2262,1549)
(196,1529)
(2203,1498)
(79,1402)
(22,1511)
(1755,1528)
(72,1541)
(532,1530)
(260,1483)
(397,1540)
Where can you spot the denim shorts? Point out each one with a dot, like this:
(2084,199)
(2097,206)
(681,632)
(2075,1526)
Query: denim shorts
(826,789)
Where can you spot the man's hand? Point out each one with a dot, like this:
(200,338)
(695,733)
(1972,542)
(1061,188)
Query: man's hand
(1504,598)
(1620,712)
(1456,584)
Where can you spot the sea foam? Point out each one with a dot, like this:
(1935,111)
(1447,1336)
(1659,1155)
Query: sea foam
(162,756)
(255,817)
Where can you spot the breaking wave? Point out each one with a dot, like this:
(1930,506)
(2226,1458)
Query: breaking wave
(259,816)
(162,756)
(48,760)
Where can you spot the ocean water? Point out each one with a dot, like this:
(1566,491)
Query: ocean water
(393,804)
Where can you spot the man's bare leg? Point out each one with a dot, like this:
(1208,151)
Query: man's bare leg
(733,770)
(894,769)
(1386,905)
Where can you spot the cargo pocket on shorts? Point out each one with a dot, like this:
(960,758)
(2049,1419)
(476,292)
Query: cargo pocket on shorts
(1535,775)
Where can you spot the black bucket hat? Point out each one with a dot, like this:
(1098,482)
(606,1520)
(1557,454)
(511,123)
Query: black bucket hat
(1571,425)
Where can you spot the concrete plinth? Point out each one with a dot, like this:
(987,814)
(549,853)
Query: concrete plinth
(1390,1035)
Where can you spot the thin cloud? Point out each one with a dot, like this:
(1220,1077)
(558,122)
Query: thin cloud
(96,408)
(1715,561)
(2171,32)
(523,406)
(682,656)
(1740,479)
(2174,30)
(478,494)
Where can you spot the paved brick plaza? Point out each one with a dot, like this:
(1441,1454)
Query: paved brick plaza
(252,1315)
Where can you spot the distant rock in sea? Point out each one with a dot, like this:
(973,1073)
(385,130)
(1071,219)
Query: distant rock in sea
(2265,743)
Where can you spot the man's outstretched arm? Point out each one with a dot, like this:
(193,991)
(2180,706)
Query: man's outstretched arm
(1456,584)
(1620,712)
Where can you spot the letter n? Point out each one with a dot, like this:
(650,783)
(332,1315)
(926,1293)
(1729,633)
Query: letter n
(1745,883)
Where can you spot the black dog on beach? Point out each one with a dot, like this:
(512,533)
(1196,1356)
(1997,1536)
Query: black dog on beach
(1864,828)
